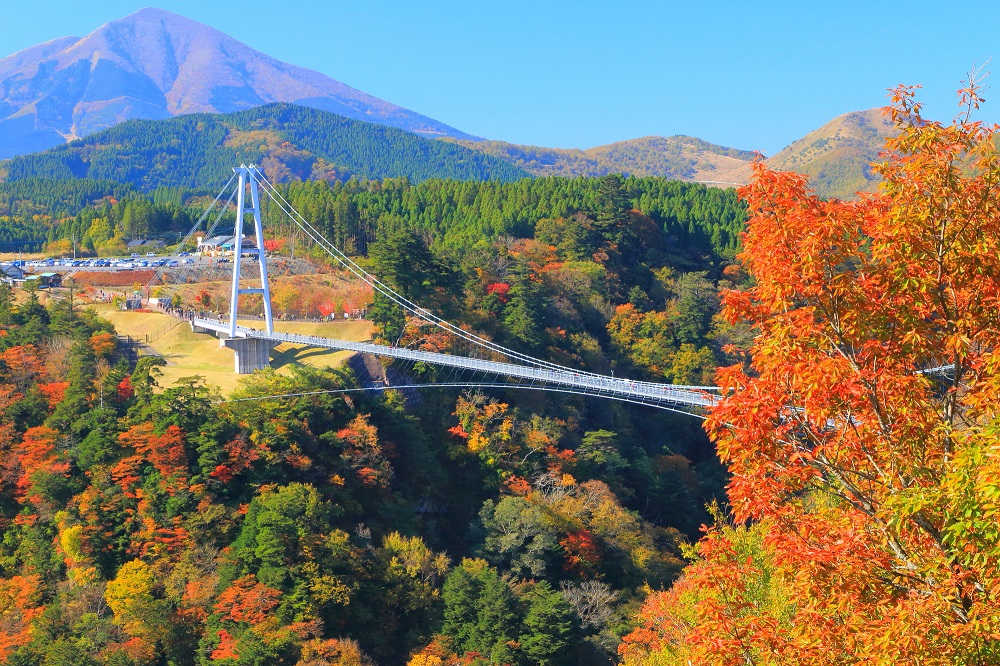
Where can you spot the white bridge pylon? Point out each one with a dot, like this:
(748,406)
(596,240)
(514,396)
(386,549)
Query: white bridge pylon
(243,172)
(252,346)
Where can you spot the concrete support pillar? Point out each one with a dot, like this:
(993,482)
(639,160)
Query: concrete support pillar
(251,353)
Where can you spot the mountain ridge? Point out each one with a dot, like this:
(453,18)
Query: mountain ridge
(155,64)
(681,157)
(836,157)
(290,142)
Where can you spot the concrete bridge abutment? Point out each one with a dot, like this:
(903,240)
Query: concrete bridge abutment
(251,353)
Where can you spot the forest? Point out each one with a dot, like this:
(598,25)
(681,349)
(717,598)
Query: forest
(838,505)
(700,225)
(147,524)
(198,151)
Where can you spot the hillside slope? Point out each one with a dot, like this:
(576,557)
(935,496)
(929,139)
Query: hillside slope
(291,142)
(153,65)
(838,155)
(675,157)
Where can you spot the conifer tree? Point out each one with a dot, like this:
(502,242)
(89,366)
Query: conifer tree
(549,627)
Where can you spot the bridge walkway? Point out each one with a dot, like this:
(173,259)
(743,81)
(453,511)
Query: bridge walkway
(646,392)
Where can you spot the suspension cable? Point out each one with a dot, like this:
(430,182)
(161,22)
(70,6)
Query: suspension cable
(159,274)
(387,291)
(550,389)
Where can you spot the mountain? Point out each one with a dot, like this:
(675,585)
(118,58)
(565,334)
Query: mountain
(290,142)
(295,142)
(838,155)
(153,65)
(676,157)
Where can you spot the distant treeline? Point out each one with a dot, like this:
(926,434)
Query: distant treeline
(699,222)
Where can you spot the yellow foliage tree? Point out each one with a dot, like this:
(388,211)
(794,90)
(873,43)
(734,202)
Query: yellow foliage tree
(130,597)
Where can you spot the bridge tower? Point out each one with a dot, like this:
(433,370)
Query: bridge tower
(251,353)
(245,174)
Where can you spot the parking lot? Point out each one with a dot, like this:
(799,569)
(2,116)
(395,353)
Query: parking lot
(134,262)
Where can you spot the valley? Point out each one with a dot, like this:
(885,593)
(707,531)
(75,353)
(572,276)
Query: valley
(291,374)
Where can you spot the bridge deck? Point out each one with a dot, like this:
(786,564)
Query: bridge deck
(647,392)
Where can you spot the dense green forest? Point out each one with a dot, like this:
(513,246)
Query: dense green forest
(30,209)
(698,223)
(198,151)
(148,524)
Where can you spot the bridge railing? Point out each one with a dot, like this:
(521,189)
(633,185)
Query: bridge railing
(597,384)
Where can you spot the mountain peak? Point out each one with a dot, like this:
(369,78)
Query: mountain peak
(155,64)
(161,19)
(837,157)
(147,13)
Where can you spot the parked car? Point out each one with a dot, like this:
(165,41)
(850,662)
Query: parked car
(150,254)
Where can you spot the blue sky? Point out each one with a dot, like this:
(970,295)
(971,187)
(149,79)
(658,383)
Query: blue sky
(753,75)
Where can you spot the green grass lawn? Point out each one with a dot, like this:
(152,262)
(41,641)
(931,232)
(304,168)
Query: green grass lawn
(188,353)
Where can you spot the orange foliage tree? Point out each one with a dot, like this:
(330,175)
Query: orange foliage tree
(18,607)
(164,451)
(103,344)
(241,456)
(863,436)
(247,600)
(54,392)
(39,459)
(23,365)
(363,453)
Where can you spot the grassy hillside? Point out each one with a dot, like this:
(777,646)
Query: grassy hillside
(188,353)
(675,157)
(291,142)
(837,156)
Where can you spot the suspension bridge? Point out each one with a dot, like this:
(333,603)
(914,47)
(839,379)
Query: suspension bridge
(489,363)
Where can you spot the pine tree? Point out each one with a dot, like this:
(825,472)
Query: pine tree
(612,206)
(461,593)
(524,313)
(389,318)
(497,622)
(480,614)
(549,627)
